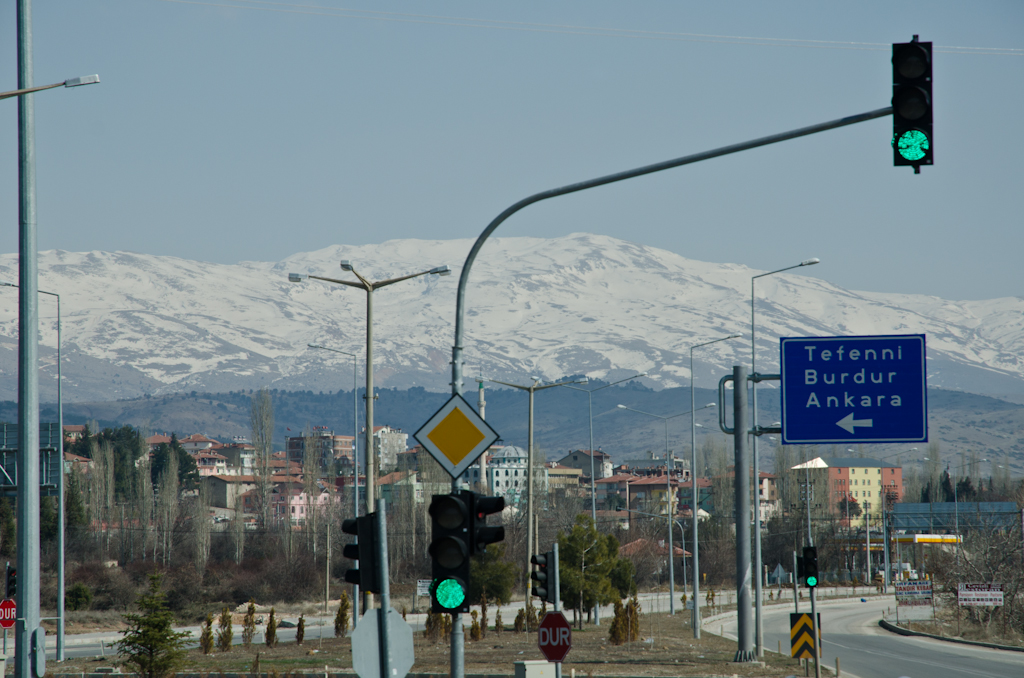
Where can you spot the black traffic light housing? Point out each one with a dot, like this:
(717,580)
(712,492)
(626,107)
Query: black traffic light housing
(11,581)
(543,578)
(364,552)
(450,549)
(480,534)
(810,566)
(912,142)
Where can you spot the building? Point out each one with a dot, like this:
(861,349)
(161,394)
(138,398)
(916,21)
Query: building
(506,474)
(388,443)
(581,459)
(73,432)
(325,444)
(197,442)
(564,480)
(837,483)
(211,463)
(239,456)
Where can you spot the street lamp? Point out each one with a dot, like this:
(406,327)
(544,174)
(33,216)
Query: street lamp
(531,389)
(593,475)
(590,405)
(60,481)
(694,496)
(668,472)
(355,459)
(759,624)
(27,504)
(369,287)
(70,82)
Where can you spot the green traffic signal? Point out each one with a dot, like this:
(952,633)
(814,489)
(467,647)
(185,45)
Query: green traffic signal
(449,594)
(912,145)
(812,582)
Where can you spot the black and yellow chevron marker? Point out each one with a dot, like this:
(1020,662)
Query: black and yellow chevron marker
(801,635)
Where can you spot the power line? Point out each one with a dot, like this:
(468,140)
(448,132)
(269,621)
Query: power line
(569,29)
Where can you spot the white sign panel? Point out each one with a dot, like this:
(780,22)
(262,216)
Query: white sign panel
(980,595)
(422,587)
(911,593)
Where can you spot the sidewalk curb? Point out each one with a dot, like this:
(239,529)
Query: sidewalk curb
(892,628)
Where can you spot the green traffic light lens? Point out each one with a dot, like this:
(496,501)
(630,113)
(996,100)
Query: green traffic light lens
(912,145)
(812,581)
(449,594)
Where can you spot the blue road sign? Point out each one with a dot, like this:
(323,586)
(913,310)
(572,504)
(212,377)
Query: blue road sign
(854,389)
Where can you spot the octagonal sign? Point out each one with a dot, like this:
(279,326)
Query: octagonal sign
(554,637)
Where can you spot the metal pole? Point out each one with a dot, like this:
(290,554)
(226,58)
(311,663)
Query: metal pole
(885,545)
(796,596)
(817,634)
(60,499)
(807,503)
(758,628)
(529,501)
(28,359)
(369,396)
(694,505)
(867,547)
(385,591)
(460,298)
(558,598)
(593,498)
(355,476)
(458,646)
(744,635)
(668,513)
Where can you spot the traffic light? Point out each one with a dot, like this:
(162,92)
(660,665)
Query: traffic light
(810,562)
(364,552)
(450,548)
(480,534)
(912,142)
(12,581)
(543,578)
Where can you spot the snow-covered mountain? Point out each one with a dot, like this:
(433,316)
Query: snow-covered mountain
(136,324)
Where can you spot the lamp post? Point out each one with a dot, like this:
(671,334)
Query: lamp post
(531,389)
(669,513)
(694,496)
(369,287)
(593,474)
(956,506)
(355,463)
(27,514)
(60,482)
(758,623)
(590,409)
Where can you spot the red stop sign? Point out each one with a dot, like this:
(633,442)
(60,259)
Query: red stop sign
(8,613)
(554,637)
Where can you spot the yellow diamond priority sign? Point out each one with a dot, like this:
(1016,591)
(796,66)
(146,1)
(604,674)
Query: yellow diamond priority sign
(456,436)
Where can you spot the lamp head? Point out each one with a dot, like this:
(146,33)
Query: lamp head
(622,407)
(711,405)
(346,265)
(810,262)
(83,80)
(584,380)
(7,283)
(297,277)
(642,374)
(441,270)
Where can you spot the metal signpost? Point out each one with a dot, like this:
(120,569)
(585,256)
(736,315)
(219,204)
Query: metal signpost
(554,634)
(854,390)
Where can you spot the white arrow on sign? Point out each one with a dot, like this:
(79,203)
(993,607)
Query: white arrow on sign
(849,423)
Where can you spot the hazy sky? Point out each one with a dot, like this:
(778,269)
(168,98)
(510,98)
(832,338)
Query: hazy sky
(229,130)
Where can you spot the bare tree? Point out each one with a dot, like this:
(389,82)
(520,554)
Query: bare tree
(168,504)
(310,466)
(261,424)
(201,530)
(238,530)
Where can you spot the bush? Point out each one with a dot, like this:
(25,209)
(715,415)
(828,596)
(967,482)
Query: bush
(249,624)
(224,633)
(78,597)
(300,630)
(498,625)
(520,623)
(206,638)
(474,629)
(341,619)
(271,634)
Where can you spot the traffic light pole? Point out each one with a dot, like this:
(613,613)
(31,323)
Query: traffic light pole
(385,591)
(458,658)
(558,595)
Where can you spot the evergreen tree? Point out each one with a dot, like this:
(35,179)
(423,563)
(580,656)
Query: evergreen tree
(300,630)
(150,646)
(48,525)
(224,633)
(341,619)
(206,637)
(249,624)
(271,634)
(8,530)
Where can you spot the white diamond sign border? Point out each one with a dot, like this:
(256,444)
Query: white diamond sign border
(459,403)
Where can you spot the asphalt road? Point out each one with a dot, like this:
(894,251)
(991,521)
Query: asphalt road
(851,632)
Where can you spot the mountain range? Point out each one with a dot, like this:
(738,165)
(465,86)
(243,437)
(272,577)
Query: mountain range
(137,324)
